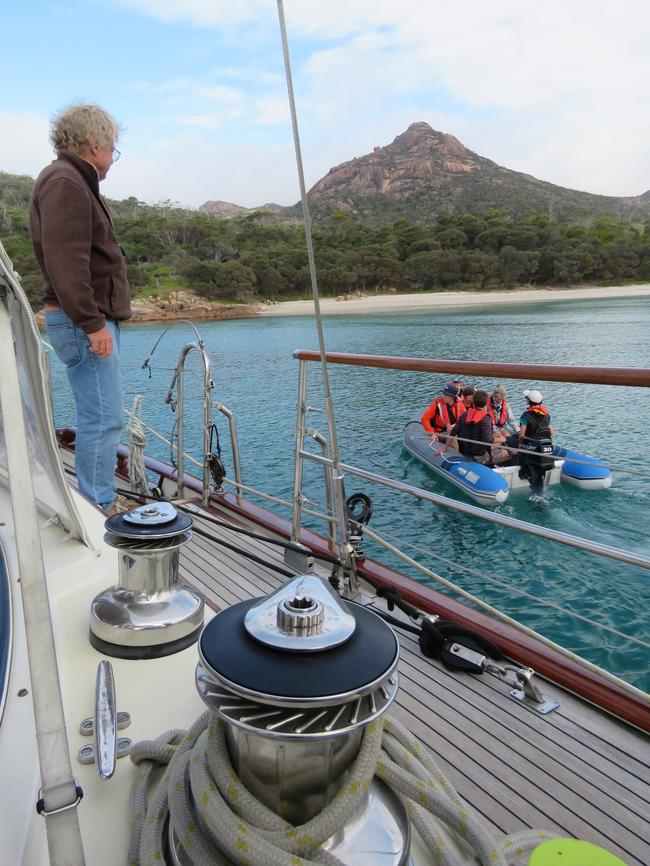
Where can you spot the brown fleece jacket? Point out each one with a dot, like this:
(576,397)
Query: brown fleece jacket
(75,245)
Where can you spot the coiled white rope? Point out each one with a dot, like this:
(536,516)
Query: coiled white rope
(137,442)
(217,820)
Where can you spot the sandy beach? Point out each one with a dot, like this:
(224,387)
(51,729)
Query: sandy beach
(448,300)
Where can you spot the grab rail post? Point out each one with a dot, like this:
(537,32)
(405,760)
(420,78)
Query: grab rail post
(328,479)
(208,385)
(301,409)
(234,443)
(334,488)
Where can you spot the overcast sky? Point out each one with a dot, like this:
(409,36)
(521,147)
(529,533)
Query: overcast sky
(559,89)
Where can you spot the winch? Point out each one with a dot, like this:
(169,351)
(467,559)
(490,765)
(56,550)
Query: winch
(296,677)
(149,613)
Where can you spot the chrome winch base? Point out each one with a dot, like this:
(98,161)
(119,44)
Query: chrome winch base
(377,833)
(149,613)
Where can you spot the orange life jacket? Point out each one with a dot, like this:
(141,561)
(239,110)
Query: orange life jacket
(474,415)
(440,417)
(503,413)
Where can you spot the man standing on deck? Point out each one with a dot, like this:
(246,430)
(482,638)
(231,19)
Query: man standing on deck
(86,292)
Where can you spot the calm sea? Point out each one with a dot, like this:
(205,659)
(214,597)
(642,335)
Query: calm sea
(256,377)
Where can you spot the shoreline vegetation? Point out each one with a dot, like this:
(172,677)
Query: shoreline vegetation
(189,264)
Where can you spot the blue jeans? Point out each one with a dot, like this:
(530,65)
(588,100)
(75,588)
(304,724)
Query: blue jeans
(97,388)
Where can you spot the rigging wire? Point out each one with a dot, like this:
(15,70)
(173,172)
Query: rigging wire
(465,568)
(329,403)
(380,539)
(383,540)
(146,365)
(503,617)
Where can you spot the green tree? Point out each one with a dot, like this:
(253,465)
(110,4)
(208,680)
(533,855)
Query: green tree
(479,267)
(516,266)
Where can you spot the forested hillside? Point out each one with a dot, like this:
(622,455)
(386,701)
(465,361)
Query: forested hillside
(258,256)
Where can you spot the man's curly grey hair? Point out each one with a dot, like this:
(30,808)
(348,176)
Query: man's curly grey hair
(79,125)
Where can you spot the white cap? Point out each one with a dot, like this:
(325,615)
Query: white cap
(533,396)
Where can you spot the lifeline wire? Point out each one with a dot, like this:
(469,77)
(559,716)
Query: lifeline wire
(483,576)
(497,614)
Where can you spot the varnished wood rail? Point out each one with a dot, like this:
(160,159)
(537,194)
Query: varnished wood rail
(632,376)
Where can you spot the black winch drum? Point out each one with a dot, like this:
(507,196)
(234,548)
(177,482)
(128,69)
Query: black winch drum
(296,677)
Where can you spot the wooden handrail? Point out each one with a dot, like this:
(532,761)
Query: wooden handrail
(634,376)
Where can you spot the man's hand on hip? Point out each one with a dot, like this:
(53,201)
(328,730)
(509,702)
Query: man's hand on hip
(101,342)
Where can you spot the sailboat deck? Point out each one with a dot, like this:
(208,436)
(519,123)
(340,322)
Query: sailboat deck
(575,772)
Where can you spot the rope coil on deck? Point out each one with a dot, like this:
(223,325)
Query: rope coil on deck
(137,442)
(233,827)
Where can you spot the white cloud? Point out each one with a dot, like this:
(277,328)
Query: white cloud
(271,110)
(220,14)
(555,89)
(220,94)
(335,18)
(191,170)
(24,146)
(200,121)
(182,89)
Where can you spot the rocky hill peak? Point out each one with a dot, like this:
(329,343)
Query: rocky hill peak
(420,156)
(227,210)
(423,172)
(421,137)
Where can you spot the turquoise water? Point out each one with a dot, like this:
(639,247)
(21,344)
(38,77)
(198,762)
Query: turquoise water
(256,377)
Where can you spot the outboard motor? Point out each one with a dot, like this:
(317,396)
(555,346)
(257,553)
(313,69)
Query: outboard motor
(296,677)
(150,613)
(536,458)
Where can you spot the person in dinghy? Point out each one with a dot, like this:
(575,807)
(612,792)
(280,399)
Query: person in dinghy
(536,437)
(473,434)
(500,411)
(534,441)
(443,413)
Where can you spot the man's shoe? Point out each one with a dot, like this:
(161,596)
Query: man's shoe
(119,505)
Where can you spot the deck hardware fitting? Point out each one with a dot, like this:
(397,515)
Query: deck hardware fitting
(526,690)
(40,803)
(87,727)
(86,754)
(53,519)
(301,561)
